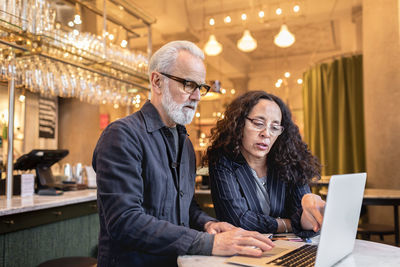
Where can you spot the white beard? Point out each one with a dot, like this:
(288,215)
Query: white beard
(177,112)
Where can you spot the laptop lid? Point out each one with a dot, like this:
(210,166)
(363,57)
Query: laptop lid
(342,211)
(339,228)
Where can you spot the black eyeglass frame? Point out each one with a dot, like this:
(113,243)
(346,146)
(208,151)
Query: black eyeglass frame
(185,82)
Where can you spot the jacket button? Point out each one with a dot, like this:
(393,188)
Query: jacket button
(182,223)
(174,165)
(181,193)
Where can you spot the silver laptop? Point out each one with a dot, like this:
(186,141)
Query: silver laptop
(338,233)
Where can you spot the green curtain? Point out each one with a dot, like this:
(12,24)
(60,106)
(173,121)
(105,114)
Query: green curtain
(333,115)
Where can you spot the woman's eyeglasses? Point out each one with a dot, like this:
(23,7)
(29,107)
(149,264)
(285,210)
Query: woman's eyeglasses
(189,86)
(260,125)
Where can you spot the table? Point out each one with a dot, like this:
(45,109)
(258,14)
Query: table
(384,197)
(365,254)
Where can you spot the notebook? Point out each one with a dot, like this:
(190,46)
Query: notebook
(338,233)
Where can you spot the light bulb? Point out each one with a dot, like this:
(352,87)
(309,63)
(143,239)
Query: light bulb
(261,14)
(299,81)
(247,43)
(212,22)
(284,38)
(287,74)
(77,19)
(124,43)
(244,16)
(278,11)
(21,98)
(212,47)
(227,19)
(296,8)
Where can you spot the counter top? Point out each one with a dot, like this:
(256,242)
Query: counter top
(25,204)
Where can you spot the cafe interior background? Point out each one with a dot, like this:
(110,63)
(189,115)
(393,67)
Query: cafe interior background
(81,64)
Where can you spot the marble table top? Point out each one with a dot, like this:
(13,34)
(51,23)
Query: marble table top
(19,204)
(365,254)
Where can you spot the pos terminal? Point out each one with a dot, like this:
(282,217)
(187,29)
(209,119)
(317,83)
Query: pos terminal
(41,160)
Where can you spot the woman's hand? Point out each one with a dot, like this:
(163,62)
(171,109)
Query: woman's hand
(313,210)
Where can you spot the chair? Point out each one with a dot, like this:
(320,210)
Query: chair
(70,261)
(365,230)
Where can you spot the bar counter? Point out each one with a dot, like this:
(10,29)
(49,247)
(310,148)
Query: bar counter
(39,228)
(26,204)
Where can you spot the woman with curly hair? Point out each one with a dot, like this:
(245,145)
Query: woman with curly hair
(259,168)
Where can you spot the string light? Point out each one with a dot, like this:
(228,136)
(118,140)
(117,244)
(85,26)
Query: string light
(278,11)
(244,16)
(287,74)
(21,98)
(212,21)
(124,43)
(77,20)
(227,19)
(300,81)
(296,8)
(261,14)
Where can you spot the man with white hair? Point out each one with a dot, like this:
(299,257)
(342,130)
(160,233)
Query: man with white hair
(145,166)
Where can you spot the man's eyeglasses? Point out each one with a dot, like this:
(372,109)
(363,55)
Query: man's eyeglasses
(260,125)
(189,86)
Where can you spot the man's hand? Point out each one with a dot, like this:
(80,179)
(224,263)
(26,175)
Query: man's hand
(313,210)
(240,241)
(212,227)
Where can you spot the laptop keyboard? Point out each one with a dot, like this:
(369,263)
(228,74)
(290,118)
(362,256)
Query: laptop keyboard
(300,257)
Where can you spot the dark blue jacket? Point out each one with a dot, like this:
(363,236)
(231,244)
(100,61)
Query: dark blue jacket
(145,198)
(235,199)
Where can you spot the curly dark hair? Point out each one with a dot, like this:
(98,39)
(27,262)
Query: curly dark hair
(289,157)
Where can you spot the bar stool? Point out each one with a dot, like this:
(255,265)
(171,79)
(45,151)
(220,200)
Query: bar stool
(70,261)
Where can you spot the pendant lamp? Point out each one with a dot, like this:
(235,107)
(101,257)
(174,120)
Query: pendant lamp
(284,38)
(212,47)
(247,43)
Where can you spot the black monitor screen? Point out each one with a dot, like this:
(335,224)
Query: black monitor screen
(39,158)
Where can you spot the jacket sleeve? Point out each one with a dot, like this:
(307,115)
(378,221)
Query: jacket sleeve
(118,163)
(295,210)
(198,218)
(231,206)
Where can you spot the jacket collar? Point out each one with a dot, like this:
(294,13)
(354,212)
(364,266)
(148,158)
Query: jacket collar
(152,119)
(238,161)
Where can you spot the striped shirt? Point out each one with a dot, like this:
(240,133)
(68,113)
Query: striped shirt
(233,191)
